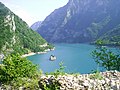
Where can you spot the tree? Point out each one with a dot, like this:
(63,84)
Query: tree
(13,67)
(99,42)
(106,58)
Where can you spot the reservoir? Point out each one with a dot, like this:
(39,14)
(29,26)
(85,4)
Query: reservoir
(76,58)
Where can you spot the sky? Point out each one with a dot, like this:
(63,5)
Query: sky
(32,11)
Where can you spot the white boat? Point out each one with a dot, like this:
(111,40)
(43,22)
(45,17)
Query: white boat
(52,58)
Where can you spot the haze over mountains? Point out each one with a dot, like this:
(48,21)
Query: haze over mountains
(83,21)
(16,36)
(36,25)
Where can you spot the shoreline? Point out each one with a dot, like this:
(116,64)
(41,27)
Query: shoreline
(108,45)
(33,53)
(29,54)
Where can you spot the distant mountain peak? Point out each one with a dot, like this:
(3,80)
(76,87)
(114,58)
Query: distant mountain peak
(36,25)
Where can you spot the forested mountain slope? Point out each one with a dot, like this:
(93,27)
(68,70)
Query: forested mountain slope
(15,34)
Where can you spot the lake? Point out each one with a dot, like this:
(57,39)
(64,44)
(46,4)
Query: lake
(77,58)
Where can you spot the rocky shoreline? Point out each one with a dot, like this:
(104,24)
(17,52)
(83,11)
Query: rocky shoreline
(110,80)
(33,53)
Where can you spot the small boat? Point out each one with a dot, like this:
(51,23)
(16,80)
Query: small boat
(52,58)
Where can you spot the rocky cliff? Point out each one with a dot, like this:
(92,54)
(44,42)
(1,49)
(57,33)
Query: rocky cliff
(82,21)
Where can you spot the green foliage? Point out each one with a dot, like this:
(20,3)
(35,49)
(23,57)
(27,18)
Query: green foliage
(99,42)
(59,71)
(106,58)
(13,67)
(27,37)
(24,83)
(5,29)
(22,40)
(52,84)
(96,75)
(112,37)
(50,46)
(16,72)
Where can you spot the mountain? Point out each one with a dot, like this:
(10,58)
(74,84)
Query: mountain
(16,36)
(82,21)
(112,37)
(36,25)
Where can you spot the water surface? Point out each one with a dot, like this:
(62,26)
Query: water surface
(76,58)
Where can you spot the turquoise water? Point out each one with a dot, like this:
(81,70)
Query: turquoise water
(76,58)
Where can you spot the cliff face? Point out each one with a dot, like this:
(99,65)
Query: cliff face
(15,35)
(81,21)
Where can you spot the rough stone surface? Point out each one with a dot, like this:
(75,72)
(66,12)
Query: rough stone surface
(110,81)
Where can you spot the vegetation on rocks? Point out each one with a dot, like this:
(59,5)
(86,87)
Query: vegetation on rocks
(110,80)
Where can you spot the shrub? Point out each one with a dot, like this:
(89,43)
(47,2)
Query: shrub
(59,71)
(96,75)
(13,67)
(106,58)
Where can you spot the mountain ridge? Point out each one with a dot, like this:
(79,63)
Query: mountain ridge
(81,21)
(36,25)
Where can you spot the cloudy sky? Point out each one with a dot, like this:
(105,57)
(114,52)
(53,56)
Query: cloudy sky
(33,10)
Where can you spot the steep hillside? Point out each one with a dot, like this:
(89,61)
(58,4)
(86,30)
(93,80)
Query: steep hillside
(36,25)
(81,21)
(112,37)
(16,36)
